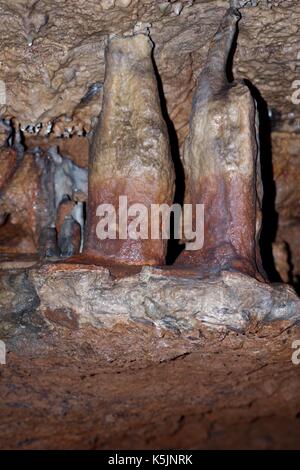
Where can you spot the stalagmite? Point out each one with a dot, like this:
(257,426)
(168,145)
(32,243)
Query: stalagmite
(130,154)
(222,164)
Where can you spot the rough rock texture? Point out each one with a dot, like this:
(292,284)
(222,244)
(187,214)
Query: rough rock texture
(222,165)
(138,387)
(76,149)
(57,62)
(23,207)
(157,358)
(32,186)
(176,362)
(177,300)
(282,260)
(130,154)
(8,160)
(285,201)
(286,168)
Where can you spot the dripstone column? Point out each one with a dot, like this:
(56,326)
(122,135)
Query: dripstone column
(222,164)
(130,153)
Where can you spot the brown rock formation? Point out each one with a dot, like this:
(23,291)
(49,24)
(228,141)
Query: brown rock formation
(76,148)
(50,69)
(286,167)
(130,154)
(132,386)
(221,161)
(23,201)
(8,160)
(146,361)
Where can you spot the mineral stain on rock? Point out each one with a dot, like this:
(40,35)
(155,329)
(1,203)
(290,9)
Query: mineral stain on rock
(222,166)
(130,152)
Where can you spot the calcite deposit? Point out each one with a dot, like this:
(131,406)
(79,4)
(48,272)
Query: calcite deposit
(54,69)
(36,184)
(222,164)
(96,296)
(130,154)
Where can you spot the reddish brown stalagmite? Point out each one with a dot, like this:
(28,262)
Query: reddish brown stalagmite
(130,154)
(222,165)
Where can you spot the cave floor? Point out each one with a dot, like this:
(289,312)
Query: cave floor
(138,387)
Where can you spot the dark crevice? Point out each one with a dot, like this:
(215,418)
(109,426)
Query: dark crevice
(269,213)
(174,247)
(297,284)
(231,54)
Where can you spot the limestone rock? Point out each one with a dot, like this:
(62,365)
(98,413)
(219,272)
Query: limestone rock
(127,357)
(41,90)
(23,200)
(222,165)
(75,148)
(179,302)
(130,153)
(8,160)
(138,387)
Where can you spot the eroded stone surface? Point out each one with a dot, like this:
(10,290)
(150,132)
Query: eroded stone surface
(136,387)
(91,295)
(60,74)
(23,208)
(165,301)
(145,360)
(183,363)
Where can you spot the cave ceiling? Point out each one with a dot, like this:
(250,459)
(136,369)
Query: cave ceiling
(52,55)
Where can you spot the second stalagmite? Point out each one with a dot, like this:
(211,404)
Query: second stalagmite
(222,164)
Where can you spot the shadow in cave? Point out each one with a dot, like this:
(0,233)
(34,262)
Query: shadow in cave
(296,285)
(231,54)
(269,214)
(174,247)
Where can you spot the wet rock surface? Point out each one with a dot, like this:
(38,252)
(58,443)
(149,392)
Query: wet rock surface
(53,73)
(23,207)
(222,164)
